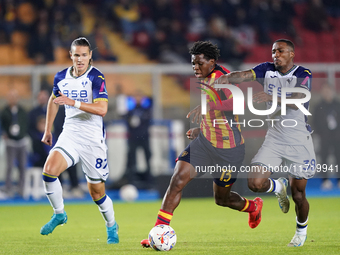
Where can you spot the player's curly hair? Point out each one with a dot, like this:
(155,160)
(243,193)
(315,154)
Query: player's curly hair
(209,50)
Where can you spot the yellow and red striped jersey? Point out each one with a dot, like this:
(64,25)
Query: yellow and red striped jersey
(216,124)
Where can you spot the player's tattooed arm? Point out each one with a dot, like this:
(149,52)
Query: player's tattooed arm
(294,96)
(241,76)
(236,77)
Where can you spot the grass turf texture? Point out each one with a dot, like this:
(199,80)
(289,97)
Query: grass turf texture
(201,227)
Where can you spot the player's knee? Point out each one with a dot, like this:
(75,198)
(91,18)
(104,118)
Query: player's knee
(255,184)
(50,168)
(97,190)
(55,164)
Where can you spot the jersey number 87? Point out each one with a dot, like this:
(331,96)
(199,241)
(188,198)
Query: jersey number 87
(101,163)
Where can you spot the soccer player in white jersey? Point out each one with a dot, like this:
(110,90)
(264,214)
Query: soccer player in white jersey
(81,88)
(290,148)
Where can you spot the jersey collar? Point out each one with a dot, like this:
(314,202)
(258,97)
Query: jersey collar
(76,77)
(209,75)
(283,74)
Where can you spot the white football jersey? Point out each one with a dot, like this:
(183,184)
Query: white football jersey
(87,128)
(271,79)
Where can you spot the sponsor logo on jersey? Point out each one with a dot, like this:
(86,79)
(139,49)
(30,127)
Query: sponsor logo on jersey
(103,89)
(84,83)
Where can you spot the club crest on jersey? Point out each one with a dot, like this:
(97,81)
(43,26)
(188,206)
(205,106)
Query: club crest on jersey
(184,153)
(84,83)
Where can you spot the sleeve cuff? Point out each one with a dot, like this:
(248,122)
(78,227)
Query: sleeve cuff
(254,74)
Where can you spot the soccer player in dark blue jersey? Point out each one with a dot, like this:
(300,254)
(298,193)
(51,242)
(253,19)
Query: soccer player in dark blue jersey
(286,147)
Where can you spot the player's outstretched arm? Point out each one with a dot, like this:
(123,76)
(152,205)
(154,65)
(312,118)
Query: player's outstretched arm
(236,77)
(98,108)
(262,96)
(294,96)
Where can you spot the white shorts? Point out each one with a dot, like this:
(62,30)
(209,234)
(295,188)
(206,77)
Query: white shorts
(93,158)
(297,160)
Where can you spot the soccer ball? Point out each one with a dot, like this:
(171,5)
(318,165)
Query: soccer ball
(162,238)
(128,193)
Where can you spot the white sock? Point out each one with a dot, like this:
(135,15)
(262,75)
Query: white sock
(105,206)
(301,228)
(54,193)
(275,186)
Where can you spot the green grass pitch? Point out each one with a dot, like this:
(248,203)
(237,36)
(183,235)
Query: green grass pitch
(201,226)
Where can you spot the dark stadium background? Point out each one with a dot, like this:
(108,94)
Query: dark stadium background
(143,44)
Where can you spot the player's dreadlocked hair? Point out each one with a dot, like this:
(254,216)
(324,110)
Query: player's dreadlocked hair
(209,50)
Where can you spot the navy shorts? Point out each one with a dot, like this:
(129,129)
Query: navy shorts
(222,164)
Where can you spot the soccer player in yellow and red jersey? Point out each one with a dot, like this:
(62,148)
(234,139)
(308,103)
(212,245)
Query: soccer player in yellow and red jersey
(213,145)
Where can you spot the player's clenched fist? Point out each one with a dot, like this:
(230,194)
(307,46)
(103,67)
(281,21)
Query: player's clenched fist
(192,133)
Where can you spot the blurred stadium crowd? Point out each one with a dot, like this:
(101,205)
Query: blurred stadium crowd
(164,28)
(42,30)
